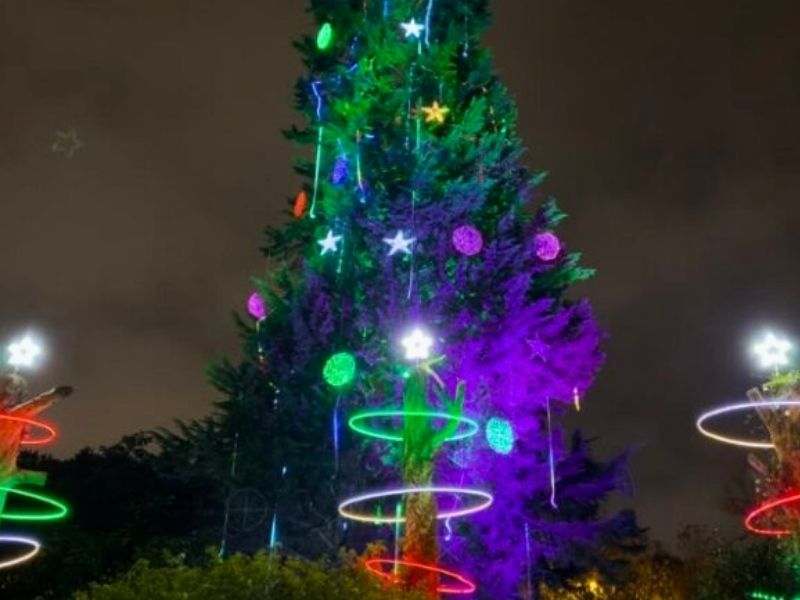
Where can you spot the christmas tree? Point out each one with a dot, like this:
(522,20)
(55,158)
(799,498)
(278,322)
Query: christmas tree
(417,300)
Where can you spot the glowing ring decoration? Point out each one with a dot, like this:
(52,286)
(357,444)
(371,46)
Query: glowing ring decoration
(485,500)
(768,507)
(740,407)
(376,566)
(355,424)
(48,431)
(60,511)
(17,560)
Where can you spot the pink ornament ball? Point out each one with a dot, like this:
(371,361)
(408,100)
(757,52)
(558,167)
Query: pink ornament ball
(256,307)
(468,240)
(548,246)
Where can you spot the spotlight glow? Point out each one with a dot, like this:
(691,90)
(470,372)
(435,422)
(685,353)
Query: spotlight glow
(417,345)
(773,351)
(23,353)
(16,540)
(740,407)
(484,501)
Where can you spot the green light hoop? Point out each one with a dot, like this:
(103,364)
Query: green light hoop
(325,36)
(60,510)
(356,424)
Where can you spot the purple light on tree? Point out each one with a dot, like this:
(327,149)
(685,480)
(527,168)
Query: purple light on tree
(340,170)
(468,240)
(548,246)
(256,307)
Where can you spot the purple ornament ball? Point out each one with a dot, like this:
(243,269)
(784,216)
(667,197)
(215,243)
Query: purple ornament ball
(468,240)
(256,306)
(548,246)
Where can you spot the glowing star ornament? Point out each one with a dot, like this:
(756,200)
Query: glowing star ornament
(773,351)
(399,243)
(330,243)
(417,345)
(539,349)
(412,29)
(548,246)
(23,353)
(435,113)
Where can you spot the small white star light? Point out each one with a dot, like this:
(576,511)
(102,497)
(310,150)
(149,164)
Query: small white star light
(773,351)
(413,29)
(22,353)
(399,243)
(330,243)
(417,345)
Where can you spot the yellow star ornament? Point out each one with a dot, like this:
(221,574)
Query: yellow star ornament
(435,113)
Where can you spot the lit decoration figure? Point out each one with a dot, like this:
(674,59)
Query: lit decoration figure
(399,244)
(435,113)
(18,427)
(773,351)
(412,29)
(777,405)
(330,243)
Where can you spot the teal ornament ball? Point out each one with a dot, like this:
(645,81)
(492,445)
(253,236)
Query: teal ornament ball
(500,436)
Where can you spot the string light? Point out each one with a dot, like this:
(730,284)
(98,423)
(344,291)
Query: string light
(465,586)
(34,545)
(60,510)
(357,424)
(740,407)
(483,500)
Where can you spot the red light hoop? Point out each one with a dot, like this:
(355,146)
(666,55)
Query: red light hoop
(766,508)
(46,435)
(376,565)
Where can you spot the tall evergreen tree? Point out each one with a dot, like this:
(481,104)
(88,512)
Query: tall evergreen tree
(416,215)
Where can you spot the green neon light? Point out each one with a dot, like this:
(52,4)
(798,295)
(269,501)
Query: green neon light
(357,424)
(60,510)
(766,596)
(340,369)
(325,36)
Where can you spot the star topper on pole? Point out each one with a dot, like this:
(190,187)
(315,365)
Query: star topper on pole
(417,345)
(413,29)
(773,351)
(22,353)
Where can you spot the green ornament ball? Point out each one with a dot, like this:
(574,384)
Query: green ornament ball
(325,36)
(340,369)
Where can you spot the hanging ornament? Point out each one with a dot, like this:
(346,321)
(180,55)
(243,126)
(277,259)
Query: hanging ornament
(468,240)
(412,29)
(399,243)
(325,37)
(340,170)
(300,204)
(548,246)
(436,113)
(330,243)
(340,369)
(256,307)
(500,436)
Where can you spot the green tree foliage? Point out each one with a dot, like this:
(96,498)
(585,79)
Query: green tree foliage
(263,577)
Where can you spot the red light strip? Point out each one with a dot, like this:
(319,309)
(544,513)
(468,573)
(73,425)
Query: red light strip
(376,565)
(766,507)
(48,431)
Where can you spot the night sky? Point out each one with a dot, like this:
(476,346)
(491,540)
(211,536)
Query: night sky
(672,132)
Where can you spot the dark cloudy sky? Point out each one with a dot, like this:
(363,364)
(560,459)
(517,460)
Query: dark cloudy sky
(672,131)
